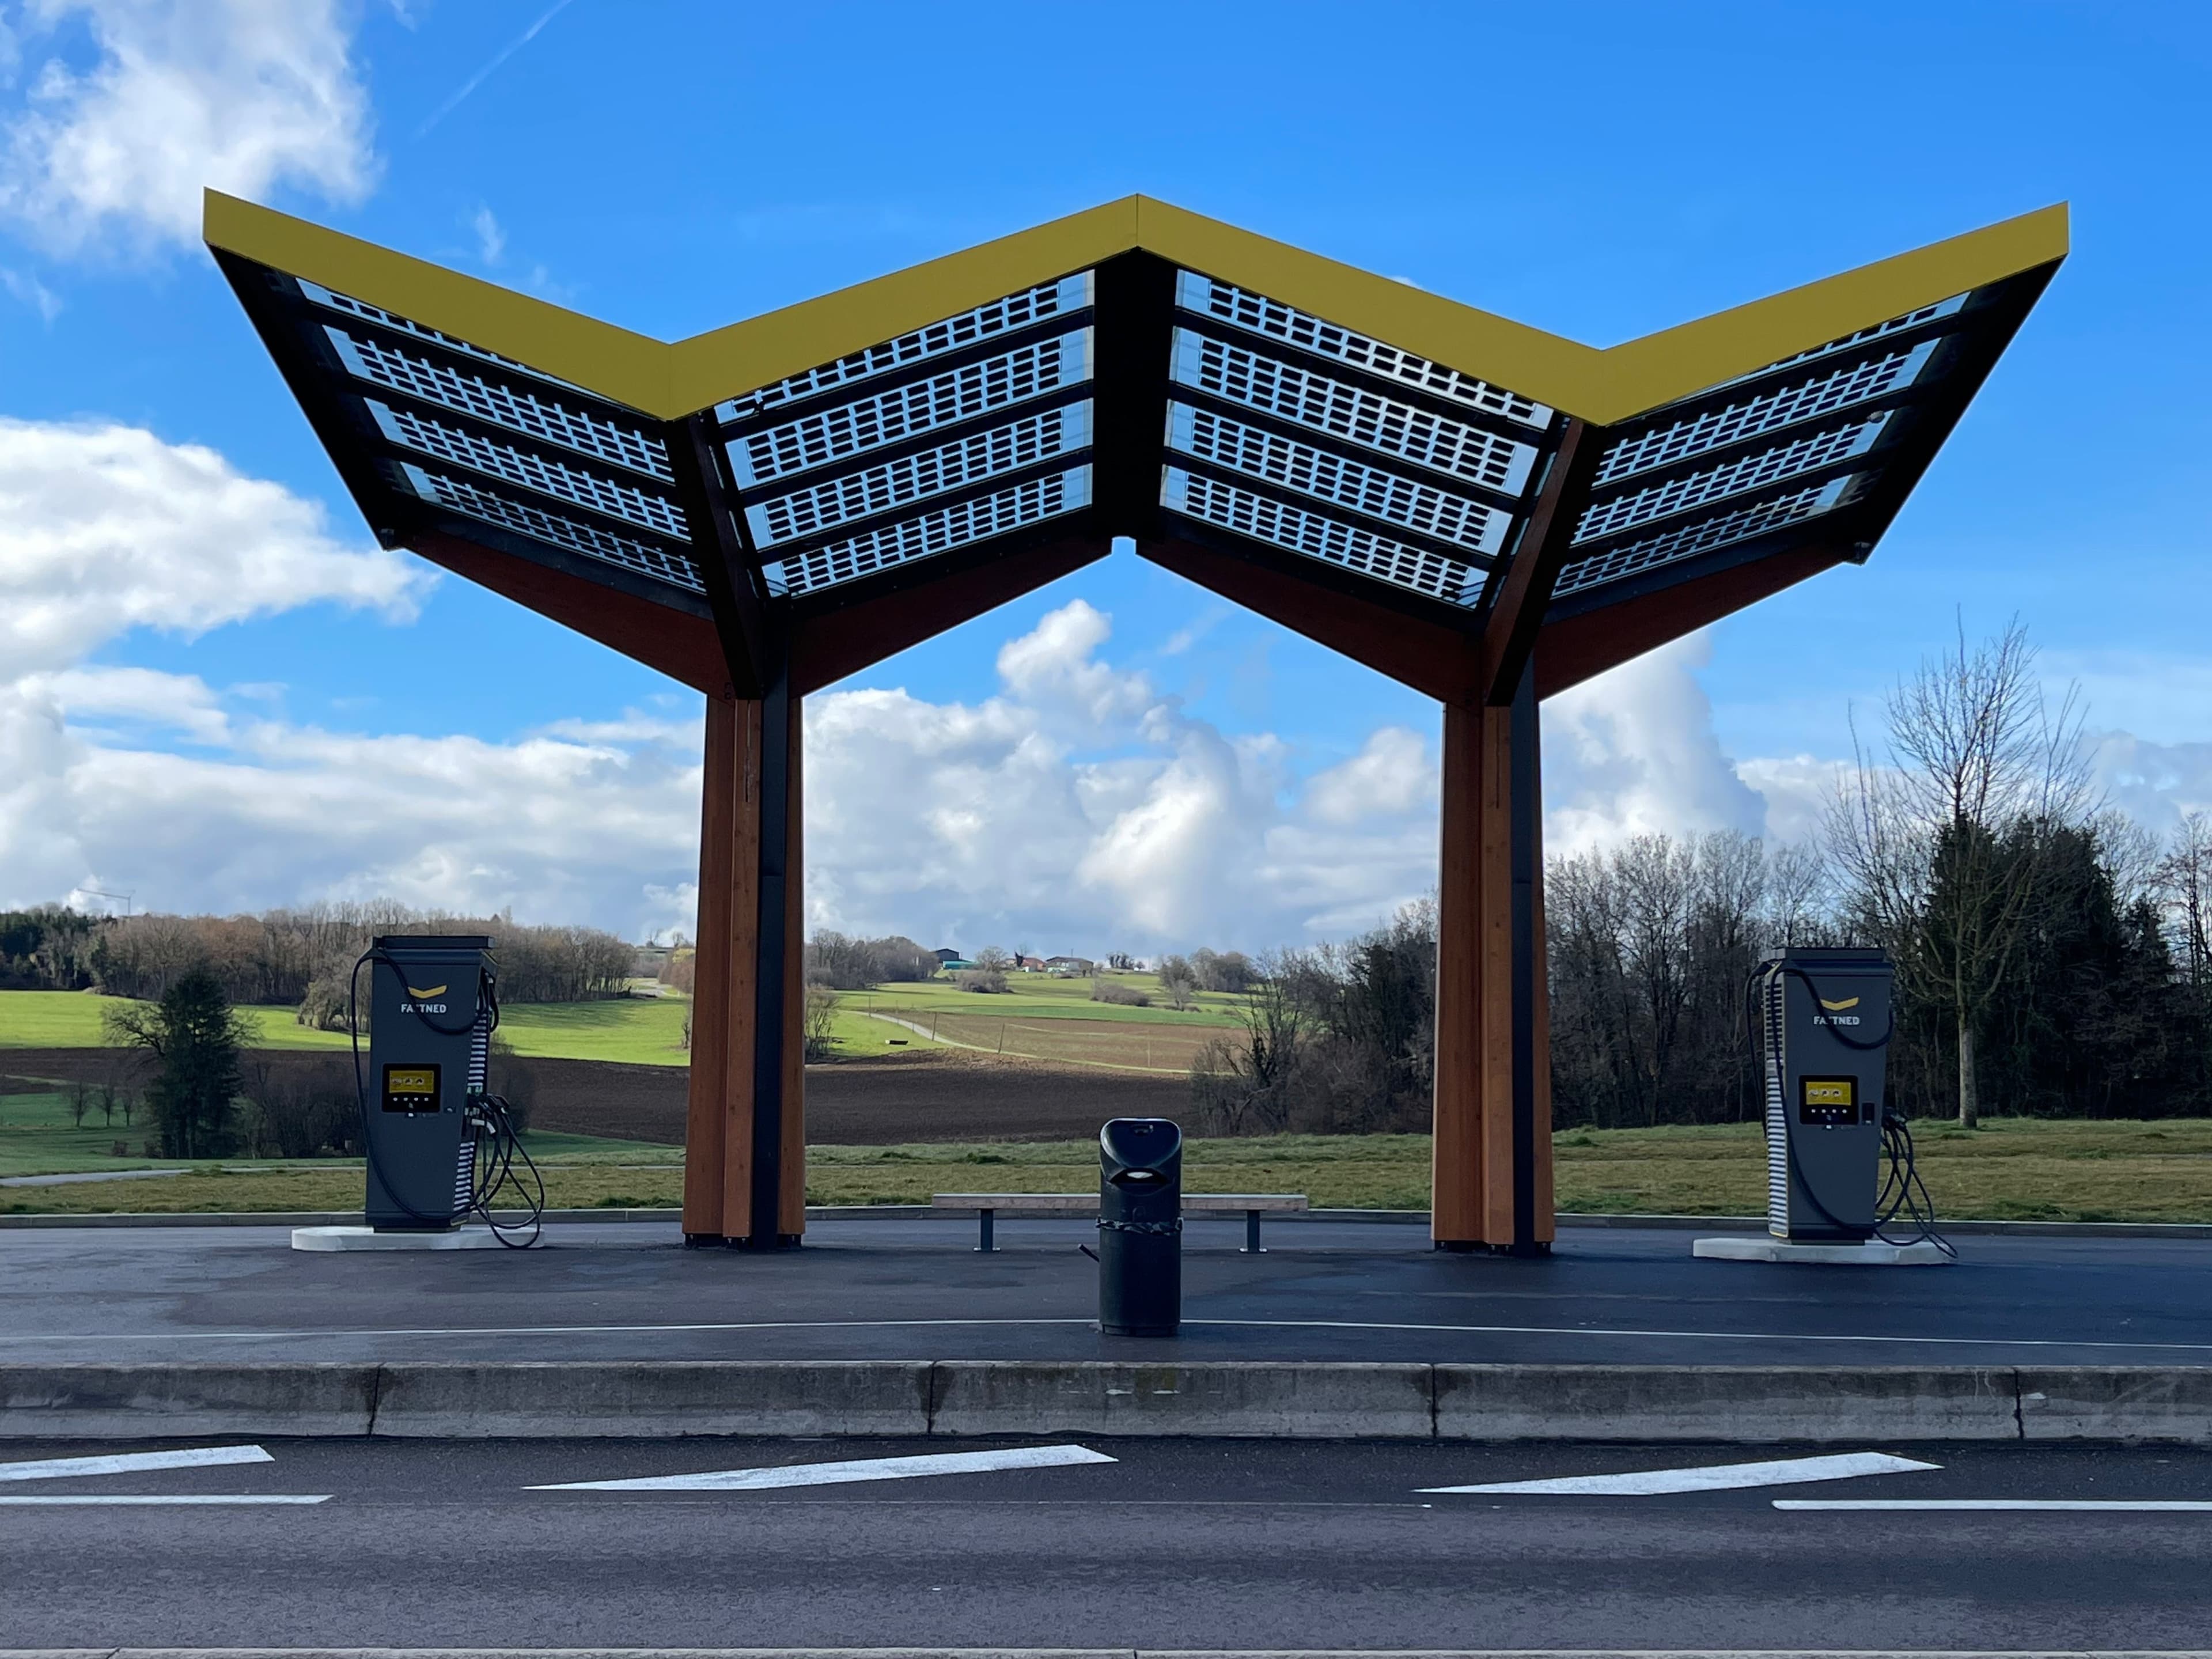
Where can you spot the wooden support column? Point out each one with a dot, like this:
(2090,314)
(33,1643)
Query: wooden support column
(744,1139)
(1492,1159)
(1490,1179)
(744,1163)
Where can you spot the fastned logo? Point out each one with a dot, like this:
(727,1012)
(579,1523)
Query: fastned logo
(420,991)
(1833,1007)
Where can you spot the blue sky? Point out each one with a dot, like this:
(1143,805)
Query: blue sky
(1599,171)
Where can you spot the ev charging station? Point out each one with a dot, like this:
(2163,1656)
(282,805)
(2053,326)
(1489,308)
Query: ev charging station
(437,1145)
(430,1054)
(1824,1019)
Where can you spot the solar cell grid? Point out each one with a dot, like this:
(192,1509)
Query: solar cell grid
(1351,413)
(331,300)
(963,523)
(1015,311)
(906,411)
(1405,501)
(1734,477)
(1316,535)
(475,501)
(875,489)
(1801,400)
(575,484)
(1941,309)
(1261,315)
(368,358)
(1704,535)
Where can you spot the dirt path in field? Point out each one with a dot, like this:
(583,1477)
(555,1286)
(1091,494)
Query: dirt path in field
(1071,1040)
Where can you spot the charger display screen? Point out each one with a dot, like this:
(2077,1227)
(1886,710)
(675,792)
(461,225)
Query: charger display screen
(1827,1101)
(410,1088)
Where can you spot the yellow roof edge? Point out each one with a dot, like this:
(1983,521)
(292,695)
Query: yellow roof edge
(630,369)
(763,349)
(1546,366)
(1644,373)
(1602,384)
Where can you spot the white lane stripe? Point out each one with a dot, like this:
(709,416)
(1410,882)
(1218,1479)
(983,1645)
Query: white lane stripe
(830,1474)
(197,1457)
(2092,1505)
(1715,1477)
(938,1324)
(79,1500)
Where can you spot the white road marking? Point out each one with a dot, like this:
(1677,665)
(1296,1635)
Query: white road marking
(83,1501)
(966,1324)
(1716,1477)
(2093,1505)
(830,1474)
(198,1457)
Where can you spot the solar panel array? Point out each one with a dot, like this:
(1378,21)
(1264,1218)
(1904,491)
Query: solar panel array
(468,435)
(1288,429)
(1284,433)
(1767,452)
(943,439)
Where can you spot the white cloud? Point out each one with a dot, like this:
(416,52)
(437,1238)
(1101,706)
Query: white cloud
(249,96)
(1635,751)
(491,240)
(22,285)
(1078,807)
(105,528)
(1392,773)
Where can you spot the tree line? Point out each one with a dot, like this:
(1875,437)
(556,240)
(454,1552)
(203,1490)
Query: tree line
(2052,958)
(301,958)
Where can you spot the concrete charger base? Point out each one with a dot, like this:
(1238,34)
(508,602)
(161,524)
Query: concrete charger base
(367,1238)
(1871,1253)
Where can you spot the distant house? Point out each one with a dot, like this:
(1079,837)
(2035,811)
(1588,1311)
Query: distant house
(1031,964)
(946,959)
(1069,964)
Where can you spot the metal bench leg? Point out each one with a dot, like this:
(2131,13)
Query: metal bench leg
(985,1246)
(1252,1234)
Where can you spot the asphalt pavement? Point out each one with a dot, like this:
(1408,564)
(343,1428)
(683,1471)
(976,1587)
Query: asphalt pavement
(1205,1544)
(917,1290)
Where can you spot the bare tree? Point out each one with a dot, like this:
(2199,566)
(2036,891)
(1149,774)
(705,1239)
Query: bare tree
(1945,838)
(1179,981)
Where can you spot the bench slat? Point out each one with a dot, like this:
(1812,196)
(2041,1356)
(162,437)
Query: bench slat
(1087,1203)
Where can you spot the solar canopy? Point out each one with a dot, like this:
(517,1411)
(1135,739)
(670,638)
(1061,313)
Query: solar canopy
(808,492)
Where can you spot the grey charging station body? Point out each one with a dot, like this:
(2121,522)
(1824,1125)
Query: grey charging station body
(429,1051)
(1827,1015)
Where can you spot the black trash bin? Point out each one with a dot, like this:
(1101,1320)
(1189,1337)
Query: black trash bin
(1139,1227)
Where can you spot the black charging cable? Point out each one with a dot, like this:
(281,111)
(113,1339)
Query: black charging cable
(494,1151)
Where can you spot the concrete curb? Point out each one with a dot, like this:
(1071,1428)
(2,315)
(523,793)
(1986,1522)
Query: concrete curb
(931,1213)
(1889,1405)
(1090,1653)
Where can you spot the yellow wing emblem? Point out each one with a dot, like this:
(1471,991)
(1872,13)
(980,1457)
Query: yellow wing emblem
(1833,1007)
(440,990)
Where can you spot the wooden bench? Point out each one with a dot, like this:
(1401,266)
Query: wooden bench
(987,1207)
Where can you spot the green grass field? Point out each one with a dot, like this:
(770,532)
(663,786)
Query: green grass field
(38,1137)
(649,1030)
(2011,1170)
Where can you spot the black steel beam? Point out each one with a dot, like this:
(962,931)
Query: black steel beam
(743,619)
(773,943)
(1514,612)
(1525,858)
(1135,302)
